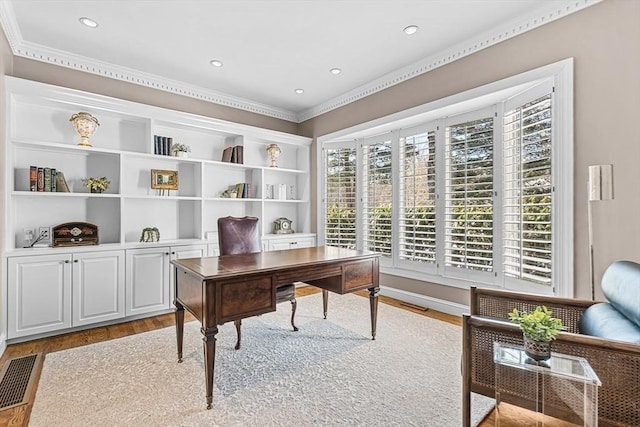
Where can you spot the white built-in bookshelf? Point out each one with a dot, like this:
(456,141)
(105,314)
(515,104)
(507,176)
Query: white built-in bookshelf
(39,133)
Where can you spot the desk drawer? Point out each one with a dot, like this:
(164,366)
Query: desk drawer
(245,298)
(359,274)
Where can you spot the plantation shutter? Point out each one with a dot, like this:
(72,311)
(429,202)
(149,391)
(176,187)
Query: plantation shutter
(417,216)
(340,197)
(468,226)
(377,197)
(527,201)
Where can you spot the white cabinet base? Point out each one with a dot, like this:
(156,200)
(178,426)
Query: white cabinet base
(38,294)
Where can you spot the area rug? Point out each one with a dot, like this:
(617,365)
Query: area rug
(327,374)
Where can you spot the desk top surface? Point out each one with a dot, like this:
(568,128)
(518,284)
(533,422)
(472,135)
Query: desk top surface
(233,265)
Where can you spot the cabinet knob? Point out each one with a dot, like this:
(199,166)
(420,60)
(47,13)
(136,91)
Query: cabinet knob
(173,253)
(75,260)
(66,261)
(166,253)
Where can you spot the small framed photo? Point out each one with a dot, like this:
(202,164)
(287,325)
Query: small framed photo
(164,179)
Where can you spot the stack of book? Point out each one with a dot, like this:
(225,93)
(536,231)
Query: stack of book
(47,179)
(233,154)
(162,145)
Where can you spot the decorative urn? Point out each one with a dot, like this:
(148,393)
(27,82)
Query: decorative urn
(274,152)
(85,125)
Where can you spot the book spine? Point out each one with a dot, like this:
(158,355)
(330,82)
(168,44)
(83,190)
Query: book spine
(54,180)
(156,144)
(226,154)
(62,182)
(240,154)
(47,179)
(169,146)
(33,178)
(40,186)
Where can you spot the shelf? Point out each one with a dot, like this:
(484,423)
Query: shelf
(284,201)
(232,199)
(161,198)
(57,147)
(38,133)
(61,194)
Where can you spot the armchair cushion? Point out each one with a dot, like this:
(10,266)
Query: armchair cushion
(603,320)
(621,286)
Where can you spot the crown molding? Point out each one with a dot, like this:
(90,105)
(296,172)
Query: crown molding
(479,42)
(77,62)
(501,33)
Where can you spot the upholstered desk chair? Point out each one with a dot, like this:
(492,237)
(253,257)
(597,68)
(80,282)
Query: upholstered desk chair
(240,235)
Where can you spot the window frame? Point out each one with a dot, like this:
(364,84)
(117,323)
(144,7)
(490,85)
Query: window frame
(560,76)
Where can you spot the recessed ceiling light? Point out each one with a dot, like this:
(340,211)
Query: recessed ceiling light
(411,29)
(335,71)
(299,90)
(88,22)
(216,63)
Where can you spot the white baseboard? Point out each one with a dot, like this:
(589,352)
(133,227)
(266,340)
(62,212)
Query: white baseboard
(441,305)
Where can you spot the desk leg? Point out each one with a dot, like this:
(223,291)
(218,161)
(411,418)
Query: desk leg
(325,301)
(209,341)
(373,302)
(179,328)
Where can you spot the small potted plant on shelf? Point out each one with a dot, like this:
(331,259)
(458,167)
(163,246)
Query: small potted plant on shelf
(96,185)
(539,328)
(180,150)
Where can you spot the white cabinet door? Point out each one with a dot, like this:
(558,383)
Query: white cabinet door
(291,243)
(147,280)
(39,294)
(98,287)
(180,252)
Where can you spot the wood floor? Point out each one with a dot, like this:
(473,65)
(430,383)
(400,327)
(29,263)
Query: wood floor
(19,415)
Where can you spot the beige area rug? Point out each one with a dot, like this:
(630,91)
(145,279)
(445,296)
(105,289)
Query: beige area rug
(329,373)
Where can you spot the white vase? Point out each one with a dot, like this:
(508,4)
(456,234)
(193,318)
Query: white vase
(85,124)
(182,154)
(274,152)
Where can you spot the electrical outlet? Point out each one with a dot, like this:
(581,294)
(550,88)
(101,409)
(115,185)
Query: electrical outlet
(28,235)
(45,233)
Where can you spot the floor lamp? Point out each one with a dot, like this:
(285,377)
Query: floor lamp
(600,188)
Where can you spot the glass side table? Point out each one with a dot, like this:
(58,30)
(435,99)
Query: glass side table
(563,387)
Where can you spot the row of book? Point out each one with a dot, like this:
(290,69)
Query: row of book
(162,145)
(233,154)
(242,190)
(47,179)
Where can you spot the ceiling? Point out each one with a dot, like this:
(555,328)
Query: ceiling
(268,48)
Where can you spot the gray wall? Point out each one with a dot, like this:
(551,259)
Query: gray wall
(604,41)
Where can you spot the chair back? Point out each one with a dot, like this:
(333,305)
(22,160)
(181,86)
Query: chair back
(238,235)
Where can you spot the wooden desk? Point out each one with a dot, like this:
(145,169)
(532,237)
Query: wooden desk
(221,289)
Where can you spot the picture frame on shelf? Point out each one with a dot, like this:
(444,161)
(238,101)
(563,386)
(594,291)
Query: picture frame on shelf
(164,179)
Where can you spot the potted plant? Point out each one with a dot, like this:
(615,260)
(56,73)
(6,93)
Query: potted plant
(96,185)
(180,150)
(539,328)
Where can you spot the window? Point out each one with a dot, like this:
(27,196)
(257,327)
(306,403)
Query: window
(417,216)
(340,197)
(378,196)
(468,222)
(528,192)
(478,191)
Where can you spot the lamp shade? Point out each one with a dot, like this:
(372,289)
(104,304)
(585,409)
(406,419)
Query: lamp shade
(600,182)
